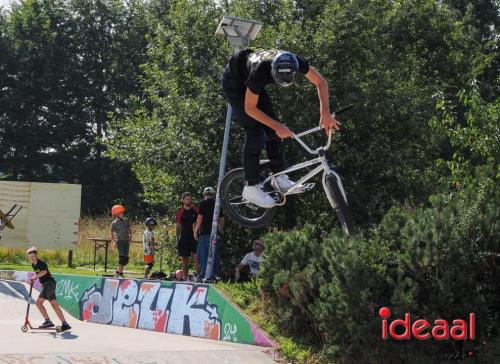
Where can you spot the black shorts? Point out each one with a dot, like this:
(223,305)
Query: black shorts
(48,290)
(186,247)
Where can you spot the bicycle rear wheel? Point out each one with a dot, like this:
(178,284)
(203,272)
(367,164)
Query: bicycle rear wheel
(336,197)
(243,213)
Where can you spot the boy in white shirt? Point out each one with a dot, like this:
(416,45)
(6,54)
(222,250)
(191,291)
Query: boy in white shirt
(252,260)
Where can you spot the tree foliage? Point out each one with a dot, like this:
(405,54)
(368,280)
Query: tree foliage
(125,97)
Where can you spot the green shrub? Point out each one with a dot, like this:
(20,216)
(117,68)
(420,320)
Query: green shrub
(433,262)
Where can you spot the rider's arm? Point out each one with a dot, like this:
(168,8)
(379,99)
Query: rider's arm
(39,274)
(321,84)
(252,110)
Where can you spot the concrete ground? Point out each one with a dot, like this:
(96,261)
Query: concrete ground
(89,343)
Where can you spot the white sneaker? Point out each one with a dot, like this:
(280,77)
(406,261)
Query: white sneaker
(282,183)
(257,196)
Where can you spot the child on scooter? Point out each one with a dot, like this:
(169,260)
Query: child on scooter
(48,292)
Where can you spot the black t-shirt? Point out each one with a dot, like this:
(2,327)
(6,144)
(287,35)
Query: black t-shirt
(187,218)
(253,67)
(206,209)
(38,267)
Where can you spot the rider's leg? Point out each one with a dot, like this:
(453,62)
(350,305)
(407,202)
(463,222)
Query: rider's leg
(254,143)
(254,132)
(274,144)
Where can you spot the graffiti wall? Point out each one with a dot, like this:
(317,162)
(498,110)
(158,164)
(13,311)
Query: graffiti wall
(178,308)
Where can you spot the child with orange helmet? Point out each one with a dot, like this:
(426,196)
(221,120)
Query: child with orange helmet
(120,236)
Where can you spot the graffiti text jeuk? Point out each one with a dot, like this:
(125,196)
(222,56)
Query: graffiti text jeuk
(180,309)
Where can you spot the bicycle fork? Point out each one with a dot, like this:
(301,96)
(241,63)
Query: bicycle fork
(331,173)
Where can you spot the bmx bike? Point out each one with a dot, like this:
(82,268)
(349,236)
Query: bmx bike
(249,215)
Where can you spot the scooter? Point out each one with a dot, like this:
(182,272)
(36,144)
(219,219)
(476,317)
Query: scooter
(160,274)
(27,325)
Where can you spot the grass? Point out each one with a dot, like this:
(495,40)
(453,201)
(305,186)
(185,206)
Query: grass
(248,297)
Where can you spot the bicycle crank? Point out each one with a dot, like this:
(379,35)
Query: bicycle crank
(301,189)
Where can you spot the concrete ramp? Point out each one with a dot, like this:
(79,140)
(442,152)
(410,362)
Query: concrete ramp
(95,343)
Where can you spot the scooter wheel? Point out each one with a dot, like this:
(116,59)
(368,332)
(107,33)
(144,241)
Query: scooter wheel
(58,329)
(24,328)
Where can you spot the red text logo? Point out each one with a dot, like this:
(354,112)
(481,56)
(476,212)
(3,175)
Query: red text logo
(405,329)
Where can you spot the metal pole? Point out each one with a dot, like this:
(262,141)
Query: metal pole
(237,42)
(215,221)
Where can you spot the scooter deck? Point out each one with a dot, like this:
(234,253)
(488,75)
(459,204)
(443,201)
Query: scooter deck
(26,328)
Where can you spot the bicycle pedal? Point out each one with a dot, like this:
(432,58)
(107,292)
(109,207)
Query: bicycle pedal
(250,205)
(309,186)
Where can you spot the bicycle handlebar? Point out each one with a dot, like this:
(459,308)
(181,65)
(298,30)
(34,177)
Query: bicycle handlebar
(318,128)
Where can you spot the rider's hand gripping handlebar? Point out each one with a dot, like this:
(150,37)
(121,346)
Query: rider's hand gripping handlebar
(297,137)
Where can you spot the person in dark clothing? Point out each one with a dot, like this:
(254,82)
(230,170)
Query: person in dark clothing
(203,230)
(48,292)
(245,77)
(186,243)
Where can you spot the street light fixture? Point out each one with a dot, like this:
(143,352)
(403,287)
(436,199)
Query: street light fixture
(238,32)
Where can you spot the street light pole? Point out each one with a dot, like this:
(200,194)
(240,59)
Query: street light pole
(239,33)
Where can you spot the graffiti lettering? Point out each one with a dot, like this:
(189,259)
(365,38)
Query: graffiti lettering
(230,332)
(181,309)
(191,315)
(154,302)
(97,306)
(67,289)
(125,310)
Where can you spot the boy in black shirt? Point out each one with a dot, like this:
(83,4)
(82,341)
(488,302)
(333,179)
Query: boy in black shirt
(186,243)
(245,77)
(48,290)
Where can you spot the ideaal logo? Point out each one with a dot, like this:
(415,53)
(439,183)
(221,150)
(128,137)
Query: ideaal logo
(423,330)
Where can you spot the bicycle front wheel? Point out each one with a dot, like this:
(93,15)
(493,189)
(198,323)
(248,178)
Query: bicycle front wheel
(243,213)
(336,196)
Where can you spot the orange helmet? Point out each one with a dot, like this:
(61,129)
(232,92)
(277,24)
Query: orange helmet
(117,209)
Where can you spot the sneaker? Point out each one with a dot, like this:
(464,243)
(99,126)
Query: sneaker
(47,324)
(117,275)
(197,279)
(282,183)
(257,196)
(65,326)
